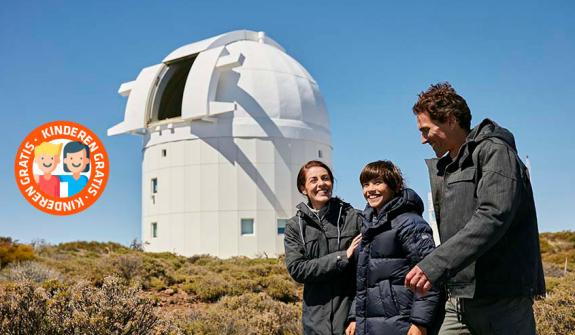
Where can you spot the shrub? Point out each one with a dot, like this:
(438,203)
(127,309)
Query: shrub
(79,309)
(128,266)
(29,271)
(246,314)
(556,313)
(11,251)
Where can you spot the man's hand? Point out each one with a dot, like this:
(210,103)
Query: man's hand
(353,245)
(416,330)
(350,330)
(417,281)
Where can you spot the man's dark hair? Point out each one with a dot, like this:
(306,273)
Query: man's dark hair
(440,101)
(385,171)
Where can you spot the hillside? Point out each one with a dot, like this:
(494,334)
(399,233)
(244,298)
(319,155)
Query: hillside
(102,288)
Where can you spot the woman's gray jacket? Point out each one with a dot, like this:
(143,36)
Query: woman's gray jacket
(315,250)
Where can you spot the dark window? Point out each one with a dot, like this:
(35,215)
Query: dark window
(247,226)
(154,229)
(164,152)
(154,185)
(282,226)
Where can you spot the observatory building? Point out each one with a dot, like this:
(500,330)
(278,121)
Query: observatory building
(226,124)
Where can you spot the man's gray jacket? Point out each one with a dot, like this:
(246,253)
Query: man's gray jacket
(487,223)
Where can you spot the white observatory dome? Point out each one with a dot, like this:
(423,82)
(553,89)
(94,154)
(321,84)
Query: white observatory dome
(227,123)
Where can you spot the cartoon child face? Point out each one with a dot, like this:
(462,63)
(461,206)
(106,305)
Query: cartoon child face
(47,162)
(76,161)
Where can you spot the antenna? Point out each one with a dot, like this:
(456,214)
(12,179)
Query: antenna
(528,165)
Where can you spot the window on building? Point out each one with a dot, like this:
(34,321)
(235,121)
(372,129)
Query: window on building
(154,185)
(282,226)
(154,229)
(319,154)
(247,226)
(164,152)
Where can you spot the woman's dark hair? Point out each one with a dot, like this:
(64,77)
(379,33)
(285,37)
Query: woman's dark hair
(302,172)
(385,171)
(73,147)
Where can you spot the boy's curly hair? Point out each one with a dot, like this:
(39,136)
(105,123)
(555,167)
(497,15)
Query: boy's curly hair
(440,101)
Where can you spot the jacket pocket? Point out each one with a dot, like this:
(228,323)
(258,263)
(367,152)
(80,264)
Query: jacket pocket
(390,307)
(467,175)
(312,248)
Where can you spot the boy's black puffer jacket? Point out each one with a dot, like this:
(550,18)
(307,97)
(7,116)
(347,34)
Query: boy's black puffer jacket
(392,243)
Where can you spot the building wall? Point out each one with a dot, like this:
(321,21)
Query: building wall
(206,186)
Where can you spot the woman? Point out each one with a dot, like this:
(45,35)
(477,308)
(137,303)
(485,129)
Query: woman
(394,238)
(319,241)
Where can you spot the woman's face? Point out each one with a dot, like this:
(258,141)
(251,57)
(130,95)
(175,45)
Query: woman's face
(318,186)
(76,161)
(377,193)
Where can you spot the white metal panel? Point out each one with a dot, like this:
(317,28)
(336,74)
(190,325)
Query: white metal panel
(192,190)
(246,189)
(210,232)
(176,189)
(192,235)
(229,234)
(196,98)
(217,41)
(177,232)
(209,186)
(228,192)
(137,105)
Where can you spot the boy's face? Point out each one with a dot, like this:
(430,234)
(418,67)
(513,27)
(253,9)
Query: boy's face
(377,193)
(47,162)
(76,161)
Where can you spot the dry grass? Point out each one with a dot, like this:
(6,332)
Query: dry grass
(80,287)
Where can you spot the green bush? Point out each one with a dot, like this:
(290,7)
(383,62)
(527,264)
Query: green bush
(11,251)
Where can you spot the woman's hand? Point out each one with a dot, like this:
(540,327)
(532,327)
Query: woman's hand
(353,245)
(416,330)
(350,330)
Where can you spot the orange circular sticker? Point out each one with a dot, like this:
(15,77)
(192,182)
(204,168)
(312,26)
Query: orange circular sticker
(61,168)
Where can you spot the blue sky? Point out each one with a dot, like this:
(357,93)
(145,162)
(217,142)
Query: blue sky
(513,61)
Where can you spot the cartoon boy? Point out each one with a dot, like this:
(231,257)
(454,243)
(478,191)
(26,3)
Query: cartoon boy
(76,160)
(47,157)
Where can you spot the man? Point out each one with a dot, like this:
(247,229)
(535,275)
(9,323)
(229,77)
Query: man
(489,259)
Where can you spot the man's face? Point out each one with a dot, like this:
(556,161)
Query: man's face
(435,133)
(47,163)
(76,161)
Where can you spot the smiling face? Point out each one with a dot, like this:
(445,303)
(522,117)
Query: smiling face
(436,134)
(47,162)
(377,193)
(318,186)
(76,161)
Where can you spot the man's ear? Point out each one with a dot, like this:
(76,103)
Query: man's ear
(452,121)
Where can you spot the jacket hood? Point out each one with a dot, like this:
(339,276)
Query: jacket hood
(304,210)
(489,129)
(408,201)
